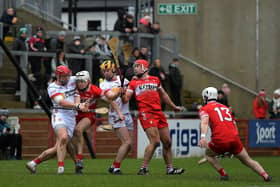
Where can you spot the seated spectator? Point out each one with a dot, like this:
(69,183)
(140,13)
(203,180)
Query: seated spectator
(274,105)
(260,105)
(8,18)
(10,141)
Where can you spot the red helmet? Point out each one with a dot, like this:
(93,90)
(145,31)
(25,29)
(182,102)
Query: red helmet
(62,70)
(143,62)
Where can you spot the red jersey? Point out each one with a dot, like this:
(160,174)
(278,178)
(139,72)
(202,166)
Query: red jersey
(221,121)
(146,93)
(92,93)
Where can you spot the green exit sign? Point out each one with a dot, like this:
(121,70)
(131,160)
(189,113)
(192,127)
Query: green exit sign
(176,8)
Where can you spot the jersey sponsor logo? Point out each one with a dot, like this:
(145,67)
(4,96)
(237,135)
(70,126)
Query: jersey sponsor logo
(146,87)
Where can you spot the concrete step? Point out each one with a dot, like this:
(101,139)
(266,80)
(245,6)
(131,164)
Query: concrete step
(10,103)
(191,100)
(7,86)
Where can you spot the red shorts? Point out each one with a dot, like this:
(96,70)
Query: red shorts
(233,147)
(153,119)
(89,115)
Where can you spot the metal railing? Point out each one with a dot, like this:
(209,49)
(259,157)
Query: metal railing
(46,15)
(189,60)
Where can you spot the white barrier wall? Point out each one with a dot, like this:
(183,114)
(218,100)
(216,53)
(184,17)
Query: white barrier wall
(185,135)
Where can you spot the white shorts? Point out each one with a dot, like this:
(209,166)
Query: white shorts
(61,121)
(127,122)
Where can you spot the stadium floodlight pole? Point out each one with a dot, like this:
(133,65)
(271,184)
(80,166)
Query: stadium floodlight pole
(25,78)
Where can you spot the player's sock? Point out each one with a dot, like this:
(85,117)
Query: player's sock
(37,161)
(222,172)
(60,164)
(169,167)
(144,164)
(264,175)
(79,157)
(116,164)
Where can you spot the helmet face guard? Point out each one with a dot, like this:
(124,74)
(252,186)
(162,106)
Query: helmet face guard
(144,64)
(209,93)
(83,80)
(83,76)
(62,74)
(106,66)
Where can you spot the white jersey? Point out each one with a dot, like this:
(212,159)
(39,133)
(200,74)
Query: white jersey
(61,117)
(107,85)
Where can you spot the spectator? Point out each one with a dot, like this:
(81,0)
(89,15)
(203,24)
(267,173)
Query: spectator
(102,49)
(144,53)
(57,60)
(176,82)
(76,47)
(145,27)
(8,18)
(20,45)
(155,28)
(274,105)
(159,72)
(37,44)
(145,24)
(90,50)
(57,43)
(260,105)
(8,137)
(221,98)
(226,90)
(119,25)
(129,24)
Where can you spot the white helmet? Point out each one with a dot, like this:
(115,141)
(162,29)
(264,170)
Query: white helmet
(83,76)
(209,93)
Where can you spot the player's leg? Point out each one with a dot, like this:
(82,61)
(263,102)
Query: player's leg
(154,139)
(254,165)
(81,127)
(211,157)
(167,153)
(124,136)
(62,140)
(46,155)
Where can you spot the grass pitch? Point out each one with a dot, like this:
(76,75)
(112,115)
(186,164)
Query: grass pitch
(14,173)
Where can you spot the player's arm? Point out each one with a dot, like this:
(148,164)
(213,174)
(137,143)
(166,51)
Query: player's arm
(127,95)
(203,130)
(116,107)
(59,99)
(112,94)
(165,97)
